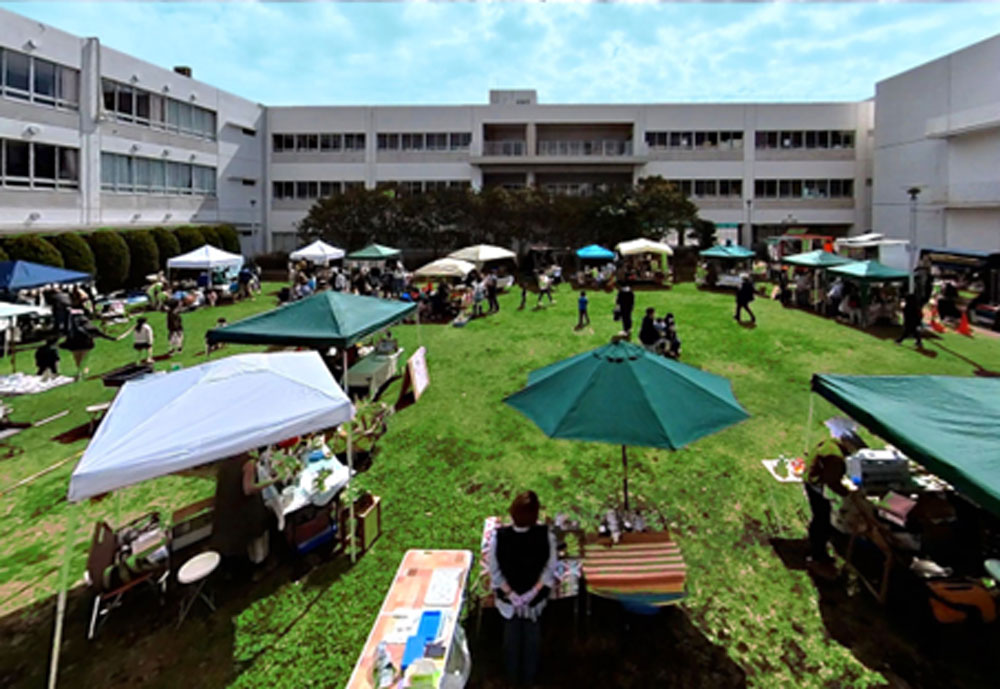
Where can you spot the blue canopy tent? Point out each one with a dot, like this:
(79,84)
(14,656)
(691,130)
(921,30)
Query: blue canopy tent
(595,252)
(17,275)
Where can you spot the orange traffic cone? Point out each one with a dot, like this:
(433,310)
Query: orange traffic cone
(936,325)
(964,327)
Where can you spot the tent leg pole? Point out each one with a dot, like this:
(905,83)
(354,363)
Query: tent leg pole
(343,376)
(351,528)
(61,603)
(420,341)
(809,423)
(625,476)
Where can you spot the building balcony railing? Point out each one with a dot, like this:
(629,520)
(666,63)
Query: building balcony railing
(598,147)
(505,148)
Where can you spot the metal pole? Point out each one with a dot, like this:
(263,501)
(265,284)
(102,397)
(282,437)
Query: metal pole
(809,421)
(913,192)
(61,602)
(625,476)
(350,471)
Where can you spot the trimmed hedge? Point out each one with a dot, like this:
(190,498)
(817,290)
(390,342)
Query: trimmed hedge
(76,253)
(211,236)
(112,257)
(166,244)
(31,247)
(144,256)
(230,239)
(189,238)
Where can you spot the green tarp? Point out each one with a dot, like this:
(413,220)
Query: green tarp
(622,394)
(731,251)
(817,259)
(870,271)
(327,319)
(374,252)
(950,425)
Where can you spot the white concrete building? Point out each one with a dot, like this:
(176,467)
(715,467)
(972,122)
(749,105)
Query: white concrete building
(937,129)
(92,137)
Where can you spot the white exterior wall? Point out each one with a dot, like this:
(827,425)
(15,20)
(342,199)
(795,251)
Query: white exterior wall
(938,128)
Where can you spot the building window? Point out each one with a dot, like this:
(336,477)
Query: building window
(328,189)
(330,142)
(412,142)
(354,142)
(437,142)
(808,139)
(459,141)
(148,109)
(35,165)
(40,81)
(131,174)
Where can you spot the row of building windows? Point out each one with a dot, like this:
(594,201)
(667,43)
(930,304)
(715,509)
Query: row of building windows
(710,188)
(33,165)
(285,143)
(424,141)
(135,175)
(724,140)
(147,109)
(38,81)
(819,138)
(803,188)
(415,187)
(312,190)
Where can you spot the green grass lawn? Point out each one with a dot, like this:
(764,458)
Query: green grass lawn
(459,455)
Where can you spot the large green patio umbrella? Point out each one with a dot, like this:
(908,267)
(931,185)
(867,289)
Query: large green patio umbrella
(626,395)
(374,252)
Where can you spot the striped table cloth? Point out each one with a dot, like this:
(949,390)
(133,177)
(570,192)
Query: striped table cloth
(642,568)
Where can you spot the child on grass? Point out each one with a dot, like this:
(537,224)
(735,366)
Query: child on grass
(584,318)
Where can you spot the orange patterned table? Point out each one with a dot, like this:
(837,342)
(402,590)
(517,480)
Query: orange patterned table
(407,592)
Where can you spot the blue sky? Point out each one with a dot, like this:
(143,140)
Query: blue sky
(284,53)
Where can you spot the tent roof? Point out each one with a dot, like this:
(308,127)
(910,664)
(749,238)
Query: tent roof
(374,252)
(595,251)
(643,246)
(317,252)
(205,257)
(163,424)
(868,239)
(327,319)
(480,253)
(730,251)
(817,259)
(444,268)
(870,271)
(8,310)
(15,275)
(948,424)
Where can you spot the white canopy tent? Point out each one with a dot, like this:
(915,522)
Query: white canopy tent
(643,246)
(206,257)
(319,252)
(445,268)
(163,424)
(481,253)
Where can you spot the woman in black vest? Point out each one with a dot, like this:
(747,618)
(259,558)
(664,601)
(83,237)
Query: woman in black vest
(522,568)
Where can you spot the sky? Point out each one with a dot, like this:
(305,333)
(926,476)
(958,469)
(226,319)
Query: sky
(422,53)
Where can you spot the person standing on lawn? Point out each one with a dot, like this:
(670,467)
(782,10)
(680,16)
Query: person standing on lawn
(744,295)
(80,340)
(522,570)
(913,314)
(825,468)
(47,358)
(584,318)
(626,303)
(491,293)
(175,327)
(142,334)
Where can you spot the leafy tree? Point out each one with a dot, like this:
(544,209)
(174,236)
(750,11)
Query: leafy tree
(112,258)
(704,232)
(166,244)
(75,251)
(31,247)
(211,236)
(353,219)
(144,256)
(229,238)
(662,206)
(189,238)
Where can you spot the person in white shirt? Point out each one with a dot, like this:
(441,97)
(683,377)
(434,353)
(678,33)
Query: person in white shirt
(544,288)
(142,342)
(522,571)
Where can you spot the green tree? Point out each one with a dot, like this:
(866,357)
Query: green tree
(353,219)
(229,238)
(189,238)
(211,236)
(31,247)
(75,251)
(112,259)
(704,232)
(144,256)
(166,244)
(661,206)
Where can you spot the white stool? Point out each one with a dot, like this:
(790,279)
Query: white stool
(196,571)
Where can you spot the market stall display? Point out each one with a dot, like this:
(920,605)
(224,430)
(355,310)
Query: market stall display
(18,275)
(373,371)
(641,569)
(318,253)
(724,263)
(643,260)
(444,268)
(206,257)
(417,635)
(817,262)
(866,274)
(374,252)
(481,254)
(623,394)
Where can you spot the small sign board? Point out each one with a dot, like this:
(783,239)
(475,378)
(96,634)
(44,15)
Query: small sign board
(415,379)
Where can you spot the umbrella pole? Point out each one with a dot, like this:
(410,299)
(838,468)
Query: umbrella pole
(625,476)
(61,602)
(809,422)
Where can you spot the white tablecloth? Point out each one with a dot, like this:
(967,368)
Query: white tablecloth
(302,493)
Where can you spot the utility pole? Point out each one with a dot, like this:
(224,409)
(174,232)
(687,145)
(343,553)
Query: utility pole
(914,192)
(748,237)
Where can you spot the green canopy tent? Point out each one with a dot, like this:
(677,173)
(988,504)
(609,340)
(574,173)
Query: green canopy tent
(729,256)
(623,394)
(948,424)
(324,320)
(374,252)
(731,252)
(817,259)
(866,273)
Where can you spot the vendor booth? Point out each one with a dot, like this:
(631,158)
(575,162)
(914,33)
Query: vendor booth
(976,272)
(482,254)
(725,263)
(444,268)
(643,260)
(812,266)
(374,253)
(596,268)
(873,246)
(797,243)
(18,275)
(318,253)
(441,306)
(325,320)
(875,293)
(217,269)
(929,505)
